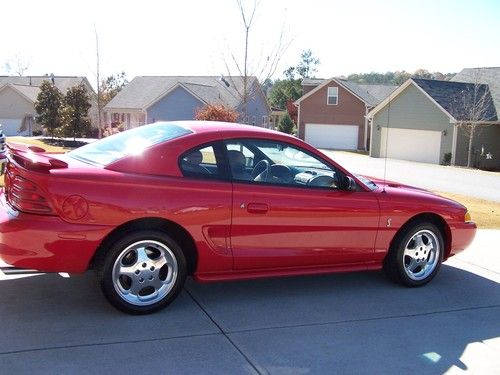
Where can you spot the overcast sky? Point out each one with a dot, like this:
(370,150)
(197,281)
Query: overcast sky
(190,37)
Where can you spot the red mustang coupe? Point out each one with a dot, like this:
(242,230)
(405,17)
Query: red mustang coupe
(147,207)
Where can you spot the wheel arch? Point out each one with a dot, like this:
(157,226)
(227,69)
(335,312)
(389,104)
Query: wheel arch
(176,231)
(432,218)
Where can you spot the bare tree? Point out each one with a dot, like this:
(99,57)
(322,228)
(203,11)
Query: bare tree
(17,65)
(248,67)
(474,104)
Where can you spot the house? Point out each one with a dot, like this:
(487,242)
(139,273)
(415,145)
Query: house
(331,112)
(18,96)
(430,120)
(147,99)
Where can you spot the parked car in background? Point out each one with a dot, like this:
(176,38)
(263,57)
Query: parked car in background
(147,207)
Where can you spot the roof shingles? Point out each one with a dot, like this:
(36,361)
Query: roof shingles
(464,101)
(143,91)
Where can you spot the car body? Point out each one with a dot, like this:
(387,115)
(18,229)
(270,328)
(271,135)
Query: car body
(217,201)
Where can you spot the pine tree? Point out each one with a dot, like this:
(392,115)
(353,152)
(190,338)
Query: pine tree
(47,106)
(286,124)
(74,112)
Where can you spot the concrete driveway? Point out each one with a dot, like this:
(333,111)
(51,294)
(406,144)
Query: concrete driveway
(345,323)
(469,182)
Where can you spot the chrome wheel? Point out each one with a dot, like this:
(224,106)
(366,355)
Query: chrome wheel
(145,272)
(421,255)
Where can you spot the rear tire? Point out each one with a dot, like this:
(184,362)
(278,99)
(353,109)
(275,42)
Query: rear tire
(142,272)
(415,255)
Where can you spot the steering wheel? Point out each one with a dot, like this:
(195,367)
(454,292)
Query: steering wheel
(261,170)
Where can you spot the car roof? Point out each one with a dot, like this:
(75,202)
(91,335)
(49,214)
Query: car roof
(200,127)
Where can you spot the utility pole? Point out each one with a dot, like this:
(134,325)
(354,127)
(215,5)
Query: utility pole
(98,84)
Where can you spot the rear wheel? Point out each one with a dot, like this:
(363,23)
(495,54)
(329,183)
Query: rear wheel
(142,272)
(415,255)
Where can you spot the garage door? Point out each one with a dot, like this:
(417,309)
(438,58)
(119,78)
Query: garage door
(410,144)
(343,137)
(10,127)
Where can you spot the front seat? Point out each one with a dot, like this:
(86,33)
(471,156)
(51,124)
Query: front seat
(191,163)
(237,162)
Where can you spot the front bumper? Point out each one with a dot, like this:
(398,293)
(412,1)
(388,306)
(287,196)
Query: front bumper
(462,236)
(46,243)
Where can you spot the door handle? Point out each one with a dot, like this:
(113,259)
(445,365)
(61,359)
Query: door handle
(257,208)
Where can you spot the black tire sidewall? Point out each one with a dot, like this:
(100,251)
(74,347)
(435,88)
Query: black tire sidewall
(403,239)
(105,271)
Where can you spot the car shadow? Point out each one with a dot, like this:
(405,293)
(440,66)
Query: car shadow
(358,315)
(354,311)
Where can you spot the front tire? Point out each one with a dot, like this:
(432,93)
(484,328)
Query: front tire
(415,255)
(142,272)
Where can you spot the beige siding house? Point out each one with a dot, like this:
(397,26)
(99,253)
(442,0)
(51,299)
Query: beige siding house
(18,96)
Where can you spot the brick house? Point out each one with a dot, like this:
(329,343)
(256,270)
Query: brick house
(331,113)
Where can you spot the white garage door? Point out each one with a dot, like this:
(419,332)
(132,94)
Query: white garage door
(10,127)
(410,144)
(343,137)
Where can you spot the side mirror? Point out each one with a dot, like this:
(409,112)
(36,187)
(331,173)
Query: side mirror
(348,184)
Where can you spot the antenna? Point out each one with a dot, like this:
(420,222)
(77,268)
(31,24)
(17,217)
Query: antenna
(386,140)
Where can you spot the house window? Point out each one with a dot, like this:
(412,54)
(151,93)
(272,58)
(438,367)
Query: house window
(333,96)
(264,121)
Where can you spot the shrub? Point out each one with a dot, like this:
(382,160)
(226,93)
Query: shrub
(216,112)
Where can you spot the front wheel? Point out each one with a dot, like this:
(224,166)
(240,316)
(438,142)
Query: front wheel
(415,255)
(142,272)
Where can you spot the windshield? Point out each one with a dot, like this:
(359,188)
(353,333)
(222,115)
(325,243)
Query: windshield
(369,183)
(288,155)
(130,142)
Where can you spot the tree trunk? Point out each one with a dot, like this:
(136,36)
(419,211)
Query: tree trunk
(469,151)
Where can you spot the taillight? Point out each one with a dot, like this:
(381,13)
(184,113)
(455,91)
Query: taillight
(26,196)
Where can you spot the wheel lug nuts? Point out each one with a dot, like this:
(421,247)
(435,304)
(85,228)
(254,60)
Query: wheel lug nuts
(150,278)
(137,272)
(152,268)
(144,265)
(141,280)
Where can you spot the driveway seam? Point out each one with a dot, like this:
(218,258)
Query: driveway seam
(363,320)
(224,333)
(109,343)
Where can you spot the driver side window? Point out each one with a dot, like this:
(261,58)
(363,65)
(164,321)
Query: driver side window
(277,163)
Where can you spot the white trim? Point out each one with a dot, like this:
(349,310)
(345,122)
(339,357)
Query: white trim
(398,91)
(454,144)
(333,96)
(365,140)
(172,88)
(327,82)
(298,124)
(13,87)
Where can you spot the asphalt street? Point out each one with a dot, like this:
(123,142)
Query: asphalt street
(469,182)
(357,323)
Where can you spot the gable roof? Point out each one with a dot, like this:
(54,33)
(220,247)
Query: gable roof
(371,95)
(143,91)
(450,97)
(30,85)
(457,98)
(489,76)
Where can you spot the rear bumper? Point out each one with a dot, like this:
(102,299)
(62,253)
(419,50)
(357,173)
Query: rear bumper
(46,243)
(462,236)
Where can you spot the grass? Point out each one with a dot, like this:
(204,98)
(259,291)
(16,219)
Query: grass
(50,145)
(485,213)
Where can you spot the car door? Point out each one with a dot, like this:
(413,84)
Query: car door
(284,220)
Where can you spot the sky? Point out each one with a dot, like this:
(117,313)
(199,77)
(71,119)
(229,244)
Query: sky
(195,37)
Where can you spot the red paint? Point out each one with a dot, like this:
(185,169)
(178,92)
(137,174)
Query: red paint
(241,230)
